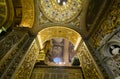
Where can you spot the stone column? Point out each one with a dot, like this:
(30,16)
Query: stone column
(66,52)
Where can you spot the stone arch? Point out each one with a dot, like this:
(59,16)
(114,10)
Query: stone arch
(58,31)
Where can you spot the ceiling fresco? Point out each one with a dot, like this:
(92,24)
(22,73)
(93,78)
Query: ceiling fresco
(60,52)
(60,10)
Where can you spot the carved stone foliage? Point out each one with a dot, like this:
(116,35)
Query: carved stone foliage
(108,24)
(9,41)
(9,57)
(16,62)
(110,54)
(25,69)
(87,63)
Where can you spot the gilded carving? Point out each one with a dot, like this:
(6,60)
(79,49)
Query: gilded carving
(58,31)
(87,63)
(27,65)
(4,64)
(7,43)
(56,12)
(42,18)
(76,22)
(9,61)
(107,26)
(27,13)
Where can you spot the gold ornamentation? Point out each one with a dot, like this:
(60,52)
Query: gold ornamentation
(42,18)
(8,58)
(27,13)
(6,44)
(25,69)
(107,26)
(87,63)
(57,31)
(57,13)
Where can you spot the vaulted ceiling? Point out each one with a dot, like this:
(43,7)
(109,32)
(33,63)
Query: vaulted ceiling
(80,16)
(60,11)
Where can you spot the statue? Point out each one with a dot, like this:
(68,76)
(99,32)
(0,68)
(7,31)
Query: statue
(115,50)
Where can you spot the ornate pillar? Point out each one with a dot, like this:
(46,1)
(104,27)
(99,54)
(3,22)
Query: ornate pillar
(88,65)
(27,63)
(11,47)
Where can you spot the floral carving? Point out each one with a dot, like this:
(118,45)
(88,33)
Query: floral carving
(87,63)
(27,65)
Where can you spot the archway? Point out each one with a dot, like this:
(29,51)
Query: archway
(86,60)
(47,36)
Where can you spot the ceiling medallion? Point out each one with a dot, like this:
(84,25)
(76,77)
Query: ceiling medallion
(60,10)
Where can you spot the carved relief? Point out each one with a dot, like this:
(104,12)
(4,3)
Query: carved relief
(76,22)
(7,61)
(58,31)
(87,63)
(27,65)
(110,54)
(69,14)
(42,18)
(107,26)
(16,40)
(7,43)
(56,12)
